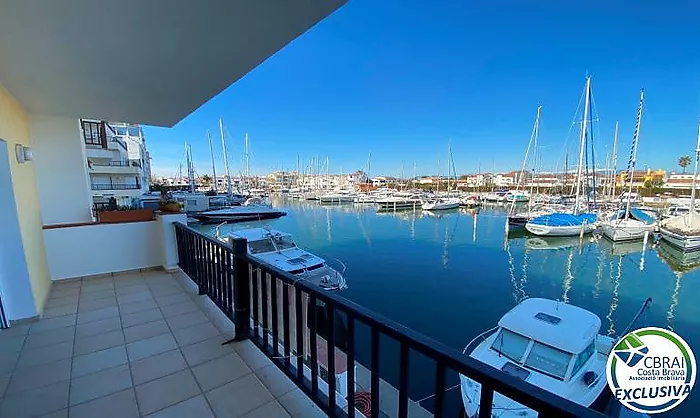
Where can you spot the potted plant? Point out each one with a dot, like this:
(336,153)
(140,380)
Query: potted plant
(168,204)
(120,214)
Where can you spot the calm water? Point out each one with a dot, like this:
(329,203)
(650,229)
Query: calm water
(453,275)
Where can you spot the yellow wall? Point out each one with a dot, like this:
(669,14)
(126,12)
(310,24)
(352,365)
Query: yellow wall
(14,128)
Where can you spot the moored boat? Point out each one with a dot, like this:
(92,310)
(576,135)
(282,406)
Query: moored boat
(279,249)
(550,344)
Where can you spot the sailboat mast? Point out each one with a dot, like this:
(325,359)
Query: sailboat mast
(190,169)
(695,174)
(213,166)
(633,156)
(533,137)
(614,164)
(584,125)
(437,191)
(225,151)
(247,158)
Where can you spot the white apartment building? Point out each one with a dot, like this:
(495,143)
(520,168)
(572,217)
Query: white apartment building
(132,135)
(111,173)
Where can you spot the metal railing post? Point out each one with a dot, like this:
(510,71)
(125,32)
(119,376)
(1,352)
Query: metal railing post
(241,289)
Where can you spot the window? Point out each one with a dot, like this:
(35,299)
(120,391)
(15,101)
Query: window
(91,132)
(133,131)
(549,360)
(284,243)
(120,131)
(583,357)
(261,246)
(510,344)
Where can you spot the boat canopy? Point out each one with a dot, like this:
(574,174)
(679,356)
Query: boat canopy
(637,214)
(565,219)
(557,324)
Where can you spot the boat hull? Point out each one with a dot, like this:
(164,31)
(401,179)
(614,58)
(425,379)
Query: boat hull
(558,231)
(440,206)
(518,221)
(682,242)
(625,231)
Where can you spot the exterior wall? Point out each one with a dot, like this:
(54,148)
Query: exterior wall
(119,247)
(61,169)
(14,129)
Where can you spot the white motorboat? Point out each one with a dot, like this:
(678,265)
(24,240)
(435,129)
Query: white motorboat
(469,201)
(441,203)
(279,249)
(251,212)
(398,203)
(550,344)
(517,196)
(336,198)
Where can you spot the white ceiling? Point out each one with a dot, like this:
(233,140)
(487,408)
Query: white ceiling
(142,61)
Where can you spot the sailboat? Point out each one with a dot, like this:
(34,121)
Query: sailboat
(578,222)
(683,231)
(629,223)
(447,202)
(519,219)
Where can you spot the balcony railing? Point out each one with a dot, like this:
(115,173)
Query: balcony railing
(252,294)
(115,186)
(117,164)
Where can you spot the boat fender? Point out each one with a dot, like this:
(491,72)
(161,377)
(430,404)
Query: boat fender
(590,377)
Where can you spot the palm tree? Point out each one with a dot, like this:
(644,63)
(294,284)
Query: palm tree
(206,180)
(684,162)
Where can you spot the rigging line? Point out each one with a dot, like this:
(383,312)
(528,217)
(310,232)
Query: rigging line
(571,127)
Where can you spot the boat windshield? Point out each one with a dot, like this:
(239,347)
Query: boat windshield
(510,344)
(548,359)
(261,246)
(283,242)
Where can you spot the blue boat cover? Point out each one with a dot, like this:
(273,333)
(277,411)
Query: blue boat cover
(636,213)
(565,219)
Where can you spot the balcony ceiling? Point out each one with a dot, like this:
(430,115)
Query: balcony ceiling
(150,62)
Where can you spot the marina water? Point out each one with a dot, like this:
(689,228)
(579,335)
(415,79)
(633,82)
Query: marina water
(451,275)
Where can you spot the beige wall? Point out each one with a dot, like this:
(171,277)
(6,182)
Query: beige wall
(14,128)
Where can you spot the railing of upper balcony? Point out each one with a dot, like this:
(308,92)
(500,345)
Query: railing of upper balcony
(117,164)
(98,134)
(252,294)
(115,186)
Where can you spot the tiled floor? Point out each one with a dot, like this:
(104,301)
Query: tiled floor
(138,345)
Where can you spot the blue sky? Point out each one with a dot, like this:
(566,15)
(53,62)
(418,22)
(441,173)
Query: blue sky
(401,78)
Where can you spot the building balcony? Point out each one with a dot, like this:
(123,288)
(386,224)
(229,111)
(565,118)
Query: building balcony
(114,167)
(115,186)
